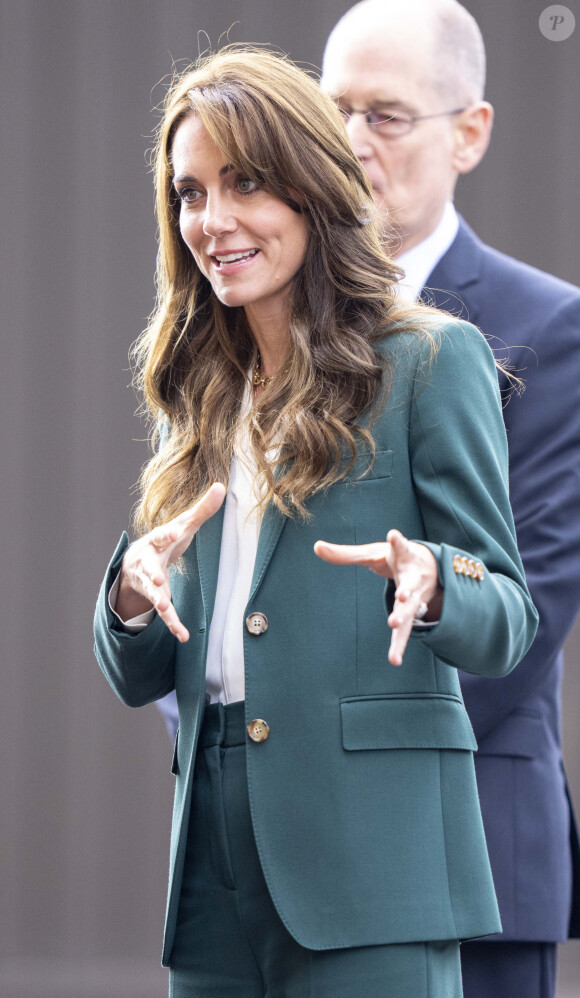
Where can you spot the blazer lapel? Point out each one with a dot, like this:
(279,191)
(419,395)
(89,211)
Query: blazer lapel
(209,541)
(447,287)
(272,525)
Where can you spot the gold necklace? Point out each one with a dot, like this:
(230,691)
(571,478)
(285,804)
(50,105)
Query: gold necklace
(257,378)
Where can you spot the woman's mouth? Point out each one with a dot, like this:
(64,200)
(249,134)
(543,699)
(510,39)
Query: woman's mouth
(234,260)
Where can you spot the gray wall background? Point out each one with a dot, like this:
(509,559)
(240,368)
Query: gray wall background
(86,789)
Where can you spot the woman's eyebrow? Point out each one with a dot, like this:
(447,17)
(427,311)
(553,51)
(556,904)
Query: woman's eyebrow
(184,178)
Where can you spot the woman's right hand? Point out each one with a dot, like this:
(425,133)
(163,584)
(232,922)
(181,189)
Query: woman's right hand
(144,582)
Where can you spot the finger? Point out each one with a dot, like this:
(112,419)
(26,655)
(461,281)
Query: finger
(153,573)
(162,537)
(368,555)
(398,541)
(161,599)
(408,599)
(205,507)
(401,622)
(402,555)
(409,589)
(159,594)
(152,591)
(152,566)
(415,571)
(141,579)
(169,616)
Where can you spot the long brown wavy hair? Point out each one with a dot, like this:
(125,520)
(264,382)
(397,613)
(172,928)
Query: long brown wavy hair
(273,125)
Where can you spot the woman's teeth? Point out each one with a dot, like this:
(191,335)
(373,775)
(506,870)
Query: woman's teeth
(231,257)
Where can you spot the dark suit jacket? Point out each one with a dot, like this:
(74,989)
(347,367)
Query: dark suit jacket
(363,798)
(527,816)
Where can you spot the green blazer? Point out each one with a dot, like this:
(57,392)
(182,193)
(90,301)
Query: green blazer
(363,797)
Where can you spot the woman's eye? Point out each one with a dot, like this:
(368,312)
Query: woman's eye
(246,186)
(187,195)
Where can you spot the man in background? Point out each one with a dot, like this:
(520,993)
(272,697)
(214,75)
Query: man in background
(409,79)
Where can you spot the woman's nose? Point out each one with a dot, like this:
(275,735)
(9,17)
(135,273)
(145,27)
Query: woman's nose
(218,217)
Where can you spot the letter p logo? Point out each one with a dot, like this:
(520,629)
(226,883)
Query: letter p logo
(557,23)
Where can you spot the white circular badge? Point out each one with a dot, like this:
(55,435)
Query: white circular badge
(557,22)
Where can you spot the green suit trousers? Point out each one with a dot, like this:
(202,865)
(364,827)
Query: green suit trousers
(230,941)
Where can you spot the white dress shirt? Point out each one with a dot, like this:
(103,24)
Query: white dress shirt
(224,671)
(421,260)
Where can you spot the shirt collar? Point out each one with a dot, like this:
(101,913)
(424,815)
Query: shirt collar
(421,260)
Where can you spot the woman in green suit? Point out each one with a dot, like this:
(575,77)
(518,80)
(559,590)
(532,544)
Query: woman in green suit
(326,837)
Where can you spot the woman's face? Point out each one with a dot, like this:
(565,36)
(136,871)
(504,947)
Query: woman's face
(247,242)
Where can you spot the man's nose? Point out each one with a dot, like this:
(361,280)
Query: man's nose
(360,136)
(218,216)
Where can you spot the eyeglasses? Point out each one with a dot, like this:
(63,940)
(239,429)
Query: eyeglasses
(394,126)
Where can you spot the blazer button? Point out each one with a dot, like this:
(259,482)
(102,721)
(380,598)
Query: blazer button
(257,623)
(458,564)
(258,730)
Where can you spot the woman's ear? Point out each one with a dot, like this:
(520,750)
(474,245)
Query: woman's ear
(471,137)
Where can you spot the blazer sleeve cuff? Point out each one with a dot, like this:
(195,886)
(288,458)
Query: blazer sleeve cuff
(469,590)
(138,666)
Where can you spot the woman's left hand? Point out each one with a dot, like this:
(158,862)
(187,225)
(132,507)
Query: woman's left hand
(414,570)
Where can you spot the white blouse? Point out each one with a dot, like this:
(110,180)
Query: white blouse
(225,679)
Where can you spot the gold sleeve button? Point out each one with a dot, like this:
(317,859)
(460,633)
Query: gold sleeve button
(467,566)
(457,564)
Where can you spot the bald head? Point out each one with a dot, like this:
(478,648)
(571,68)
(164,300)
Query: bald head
(409,79)
(441,34)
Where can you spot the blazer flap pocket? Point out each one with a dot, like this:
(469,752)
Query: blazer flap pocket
(406,721)
(382,466)
(521,735)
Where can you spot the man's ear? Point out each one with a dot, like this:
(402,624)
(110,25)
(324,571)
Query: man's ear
(472,134)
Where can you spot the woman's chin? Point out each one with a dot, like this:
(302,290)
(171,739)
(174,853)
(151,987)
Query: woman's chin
(232,298)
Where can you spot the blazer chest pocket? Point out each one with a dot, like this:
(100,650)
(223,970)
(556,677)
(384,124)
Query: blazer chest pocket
(382,466)
(405,721)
